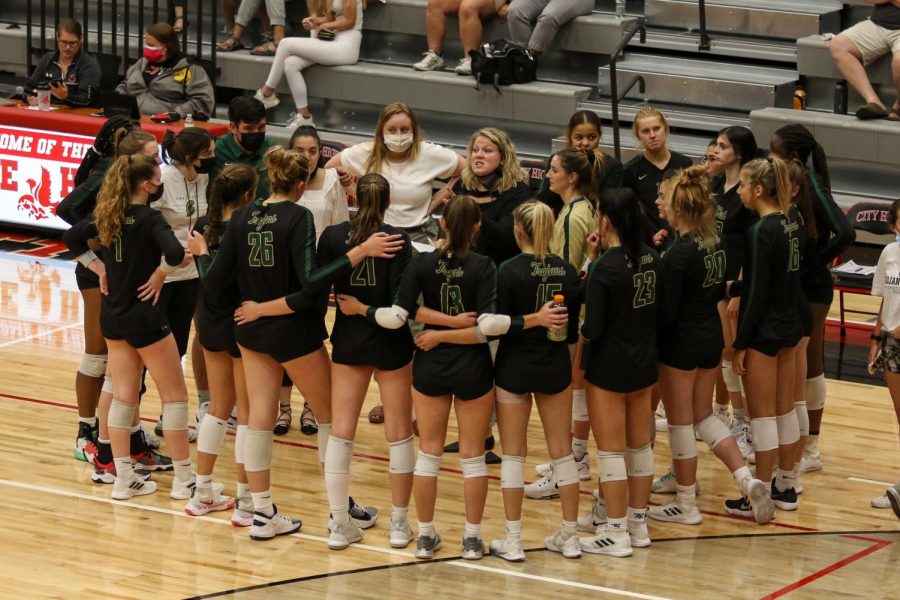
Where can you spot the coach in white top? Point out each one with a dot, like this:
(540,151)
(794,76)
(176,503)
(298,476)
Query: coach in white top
(323,196)
(410,166)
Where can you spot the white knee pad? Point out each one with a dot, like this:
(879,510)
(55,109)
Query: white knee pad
(340,453)
(611,466)
(816,391)
(512,472)
(712,431)
(258,450)
(211,434)
(506,397)
(639,461)
(765,434)
(240,439)
(403,456)
(322,437)
(732,381)
(565,470)
(802,418)
(474,467)
(121,415)
(93,365)
(579,406)
(175,416)
(107,385)
(427,465)
(682,442)
(788,428)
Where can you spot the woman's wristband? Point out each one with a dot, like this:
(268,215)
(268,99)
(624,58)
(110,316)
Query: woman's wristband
(876,338)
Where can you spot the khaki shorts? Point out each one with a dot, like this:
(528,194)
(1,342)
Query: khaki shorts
(873,41)
(498,4)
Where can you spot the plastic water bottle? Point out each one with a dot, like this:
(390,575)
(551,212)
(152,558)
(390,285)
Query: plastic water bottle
(620,9)
(189,120)
(558,334)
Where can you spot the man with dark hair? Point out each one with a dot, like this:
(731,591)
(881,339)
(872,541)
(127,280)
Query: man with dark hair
(72,76)
(246,140)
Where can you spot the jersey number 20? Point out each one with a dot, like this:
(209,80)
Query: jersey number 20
(644,289)
(715,268)
(262,254)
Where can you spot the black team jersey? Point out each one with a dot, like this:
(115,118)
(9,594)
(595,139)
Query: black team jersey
(130,261)
(451,286)
(496,239)
(270,249)
(808,253)
(620,321)
(692,275)
(375,281)
(527,361)
(215,312)
(768,318)
(733,220)
(644,178)
(835,234)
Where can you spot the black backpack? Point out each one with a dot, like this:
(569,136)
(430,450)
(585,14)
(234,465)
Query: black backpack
(502,63)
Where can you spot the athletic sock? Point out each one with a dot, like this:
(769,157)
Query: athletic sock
(514,530)
(473,530)
(618,525)
(686,496)
(204,486)
(183,469)
(768,485)
(426,529)
(568,528)
(262,503)
(399,514)
(812,442)
(741,476)
(785,480)
(91,421)
(124,469)
(579,448)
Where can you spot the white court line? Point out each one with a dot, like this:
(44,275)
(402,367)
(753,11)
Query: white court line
(872,481)
(38,335)
(316,538)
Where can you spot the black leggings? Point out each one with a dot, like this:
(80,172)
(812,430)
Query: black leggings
(178,301)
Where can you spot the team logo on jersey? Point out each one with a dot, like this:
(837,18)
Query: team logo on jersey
(261,221)
(39,203)
(448,273)
(543,270)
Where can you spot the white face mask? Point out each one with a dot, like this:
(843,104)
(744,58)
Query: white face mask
(398,143)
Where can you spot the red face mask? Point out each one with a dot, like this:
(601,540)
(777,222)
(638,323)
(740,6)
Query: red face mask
(152,54)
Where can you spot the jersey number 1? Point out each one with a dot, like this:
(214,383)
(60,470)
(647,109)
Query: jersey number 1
(644,289)
(262,254)
(451,300)
(117,248)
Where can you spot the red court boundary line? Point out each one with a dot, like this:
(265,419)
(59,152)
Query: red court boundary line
(384,459)
(875,547)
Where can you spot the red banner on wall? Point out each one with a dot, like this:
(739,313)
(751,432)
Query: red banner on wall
(37,170)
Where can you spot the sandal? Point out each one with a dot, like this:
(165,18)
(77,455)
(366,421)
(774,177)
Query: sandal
(376,415)
(230,45)
(283,422)
(265,49)
(308,424)
(894,115)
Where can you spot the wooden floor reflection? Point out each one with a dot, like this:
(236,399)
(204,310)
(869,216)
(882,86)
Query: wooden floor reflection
(64,537)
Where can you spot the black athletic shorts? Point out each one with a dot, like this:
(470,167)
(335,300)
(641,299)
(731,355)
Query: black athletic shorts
(818,286)
(284,338)
(85,278)
(690,360)
(137,340)
(219,340)
(767,347)
(463,371)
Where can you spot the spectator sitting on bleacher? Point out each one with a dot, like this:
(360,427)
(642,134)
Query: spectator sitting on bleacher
(164,81)
(277,16)
(178,20)
(342,19)
(246,140)
(470,12)
(546,15)
(73,76)
(861,45)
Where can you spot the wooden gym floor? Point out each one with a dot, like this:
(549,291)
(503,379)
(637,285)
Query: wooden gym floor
(64,537)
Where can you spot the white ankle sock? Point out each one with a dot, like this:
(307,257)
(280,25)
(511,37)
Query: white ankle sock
(426,529)
(399,514)
(473,529)
(183,469)
(741,476)
(579,448)
(514,530)
(568,528)
(262,503)
(123,467)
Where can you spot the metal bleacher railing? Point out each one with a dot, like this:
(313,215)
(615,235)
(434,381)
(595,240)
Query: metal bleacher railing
(615,95)
(114,29)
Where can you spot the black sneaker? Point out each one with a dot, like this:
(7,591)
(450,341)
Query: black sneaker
(363,516)
(784,499)
(83,440)
(741,507)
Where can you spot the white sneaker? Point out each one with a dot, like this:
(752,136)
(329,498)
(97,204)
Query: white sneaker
(243,514)
(401,534)
(363,517)
(342,536)
(202,409)
(183,490)
(662,424)
(543,488)
(508,549)
(589,521)
(811,461)
(584,468)
(569,547)
(881,501)
(667,484)
(269,102)
(612,543)
(893,495)
(431,62)
(197,507)
(638,533)
(464,67)
(125,488)
(232,420)
(724,416)
(760,501)
(674,513)
(298,120)
(746,447)
(265,528)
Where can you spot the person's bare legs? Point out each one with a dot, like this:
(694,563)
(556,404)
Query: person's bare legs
(848,59)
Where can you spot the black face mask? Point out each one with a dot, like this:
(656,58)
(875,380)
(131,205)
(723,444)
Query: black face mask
(252,142)
(314,172)
(490,180)
(151,198)
(206,165)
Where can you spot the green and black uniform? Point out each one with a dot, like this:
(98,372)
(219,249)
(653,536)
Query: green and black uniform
(356,340)
(620,321)
(496,238)
(733,220)
(78,205)
(835,234)
(228,152)
(644,178)
(130,262)
(808,252)
(215,312)
(527,361)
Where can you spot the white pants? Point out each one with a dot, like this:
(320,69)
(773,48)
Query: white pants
(297,53)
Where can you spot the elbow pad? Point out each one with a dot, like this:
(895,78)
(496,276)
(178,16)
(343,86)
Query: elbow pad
(493,325)
(393,317)
(87,258)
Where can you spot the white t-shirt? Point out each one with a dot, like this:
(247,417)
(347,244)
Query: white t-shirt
(182,203)
(339,11)
(411,182)
(328,205)
(887,285)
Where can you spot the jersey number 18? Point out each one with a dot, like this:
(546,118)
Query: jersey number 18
(451,300)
